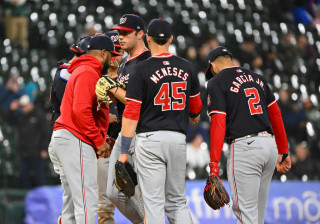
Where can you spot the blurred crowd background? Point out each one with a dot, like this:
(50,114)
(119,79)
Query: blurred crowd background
(277,39)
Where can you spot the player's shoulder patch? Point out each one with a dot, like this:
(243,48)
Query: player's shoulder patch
(64,74)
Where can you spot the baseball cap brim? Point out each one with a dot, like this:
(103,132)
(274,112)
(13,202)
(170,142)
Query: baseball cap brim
(115,53)
(73,49)
(117,45)
(208,73)
(122,28)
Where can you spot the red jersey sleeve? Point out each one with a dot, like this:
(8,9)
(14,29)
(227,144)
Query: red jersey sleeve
(132,109)
(195,100)
(195,105)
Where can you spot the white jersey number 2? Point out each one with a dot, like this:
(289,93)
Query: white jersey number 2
(254,101)
(177,100)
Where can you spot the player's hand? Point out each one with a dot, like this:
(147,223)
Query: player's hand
(104,150)
(123,158)
(44,154)
(195,120)
(112,118)
(285,166)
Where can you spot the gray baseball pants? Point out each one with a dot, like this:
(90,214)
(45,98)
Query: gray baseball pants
(161,167)
(251,163)
(76,163)
(132,208)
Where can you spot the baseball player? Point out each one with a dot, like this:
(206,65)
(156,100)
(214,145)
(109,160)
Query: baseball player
(80,133)
(114,128)
(58,87)
(115,62)
(62,76)
(105,206)
(243,109)
(162,94)
(131,35)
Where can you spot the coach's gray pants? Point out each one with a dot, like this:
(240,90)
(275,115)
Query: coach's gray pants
(132,208)
(161,165)
(76,163)
(251,163)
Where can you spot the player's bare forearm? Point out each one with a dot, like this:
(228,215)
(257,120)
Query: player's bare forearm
(129,127)
(113,98)
(119,93)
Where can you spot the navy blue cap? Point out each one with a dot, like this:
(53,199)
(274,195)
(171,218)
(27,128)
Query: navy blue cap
(159,28)
(130,22)
(212,55)
(114,36)
(102,42)
(81,47)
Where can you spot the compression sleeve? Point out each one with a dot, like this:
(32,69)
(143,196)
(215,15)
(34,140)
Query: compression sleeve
(278,127)
(217,134)
(195,105)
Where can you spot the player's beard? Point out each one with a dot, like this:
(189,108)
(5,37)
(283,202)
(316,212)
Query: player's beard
(106,66)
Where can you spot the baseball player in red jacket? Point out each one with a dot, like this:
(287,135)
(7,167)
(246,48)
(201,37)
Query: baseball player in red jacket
(80,133)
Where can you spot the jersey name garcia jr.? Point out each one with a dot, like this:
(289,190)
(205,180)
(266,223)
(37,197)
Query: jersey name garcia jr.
(243,78)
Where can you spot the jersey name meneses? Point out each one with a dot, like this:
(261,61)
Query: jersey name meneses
(165,83)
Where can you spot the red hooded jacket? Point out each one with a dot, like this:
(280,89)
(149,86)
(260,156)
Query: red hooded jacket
(79,113)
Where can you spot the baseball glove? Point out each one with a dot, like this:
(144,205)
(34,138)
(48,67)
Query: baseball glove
(103,85)
(215,193)
(125,178)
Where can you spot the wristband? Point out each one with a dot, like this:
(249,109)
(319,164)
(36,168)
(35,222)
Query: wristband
(214,169)
(125,144)
(284,156)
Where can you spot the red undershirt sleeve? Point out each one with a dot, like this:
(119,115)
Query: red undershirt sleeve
(278,127)
(195,105)
(132,109)
(217,134)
